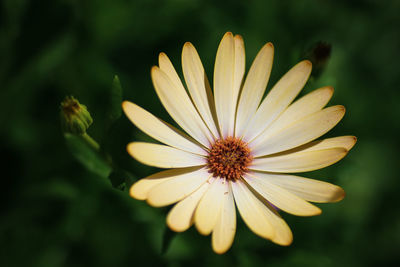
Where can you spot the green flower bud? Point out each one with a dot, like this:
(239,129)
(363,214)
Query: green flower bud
(75,118)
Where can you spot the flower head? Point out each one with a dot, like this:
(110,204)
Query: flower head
(236,149)
(75,118)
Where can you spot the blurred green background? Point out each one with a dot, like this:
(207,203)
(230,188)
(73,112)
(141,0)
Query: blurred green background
(55,212)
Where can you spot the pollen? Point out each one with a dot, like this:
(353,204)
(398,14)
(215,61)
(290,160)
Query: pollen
(229,158)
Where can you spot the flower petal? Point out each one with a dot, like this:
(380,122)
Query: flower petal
(301,161)
(254,87)
(180,217)
(209,207)
(240,67)
(347,142)
(283,235)
(179,106)
(303,107)
(141,188)
(167,67)
(278,99)
(254,213)
(308,189)
(281,198)
(159,129)
(178,187)
(300,132)
(225,228)
(198,86)
(163,156)
(225,94)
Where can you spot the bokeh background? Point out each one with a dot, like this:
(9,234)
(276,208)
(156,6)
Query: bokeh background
(56,211)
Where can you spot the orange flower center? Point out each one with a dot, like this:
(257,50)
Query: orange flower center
(229,158)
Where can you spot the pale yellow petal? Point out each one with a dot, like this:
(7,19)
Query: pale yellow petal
(300,132)
(160,130)
(299,161)
(180,217)
(346,142)
(224,73)
(281,198)
(278,99)
(198,86)
(163,156)
(209,207)
(178,104)
(240,66)
(308,189)
(178,187)
(224,231)
(283,235)
(303,107)
(141,188)
(166,66)
(254,87)
(253,212)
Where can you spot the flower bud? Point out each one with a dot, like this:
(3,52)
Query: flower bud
(319,55)
(75,118)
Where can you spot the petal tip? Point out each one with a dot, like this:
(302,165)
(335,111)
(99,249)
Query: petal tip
(177,230)
(338,195)
(172,226)
(202,232)
(307,63)
(125,105)
(129,147)
(187,45)
(317,212)
(330,89)
(355,139)
(228,34)
(161,55)
(238,37)
(342,109)
(228,37)
(154,69)
(131,191)
(153,203)
(341,196)
(352,142)
(284,243)
(220,251)
(305,67)
(135,194)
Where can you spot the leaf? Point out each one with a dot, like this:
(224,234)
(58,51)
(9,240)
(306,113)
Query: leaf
(90,158)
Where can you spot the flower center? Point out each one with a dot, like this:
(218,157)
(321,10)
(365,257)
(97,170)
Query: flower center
(229,158)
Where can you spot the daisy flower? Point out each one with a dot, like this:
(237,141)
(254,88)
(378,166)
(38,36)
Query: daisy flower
(236,149)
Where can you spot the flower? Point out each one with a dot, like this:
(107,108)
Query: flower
(235,148)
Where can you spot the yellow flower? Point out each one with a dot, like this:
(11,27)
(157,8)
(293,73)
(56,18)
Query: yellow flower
(236,149)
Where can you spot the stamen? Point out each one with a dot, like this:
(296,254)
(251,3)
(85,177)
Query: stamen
(229,158)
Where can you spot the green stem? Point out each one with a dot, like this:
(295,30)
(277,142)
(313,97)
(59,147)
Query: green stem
(91,141)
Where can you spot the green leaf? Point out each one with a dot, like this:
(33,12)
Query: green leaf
(167,239)
(114,109)
(89,157)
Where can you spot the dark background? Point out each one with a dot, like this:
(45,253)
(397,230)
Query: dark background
(55,212)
